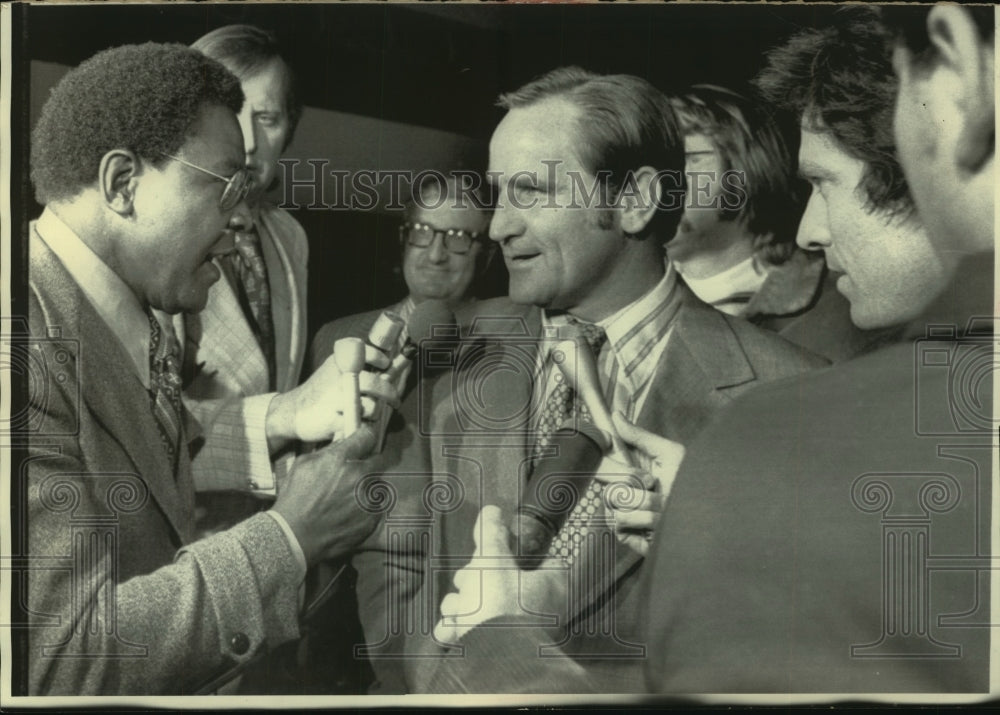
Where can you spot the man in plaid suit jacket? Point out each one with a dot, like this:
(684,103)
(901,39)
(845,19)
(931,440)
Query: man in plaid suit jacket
(236,362)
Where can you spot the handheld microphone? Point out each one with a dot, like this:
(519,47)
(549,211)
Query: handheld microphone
(554,488)
(349,354)
(425,317)
(385,332)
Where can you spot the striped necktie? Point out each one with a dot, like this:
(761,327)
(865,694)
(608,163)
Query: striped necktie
(165,385)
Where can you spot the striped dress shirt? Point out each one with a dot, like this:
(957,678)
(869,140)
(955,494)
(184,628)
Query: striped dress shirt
(637,336)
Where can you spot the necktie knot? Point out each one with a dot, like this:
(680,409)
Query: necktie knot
(592,332)
(248,248)
(164,354)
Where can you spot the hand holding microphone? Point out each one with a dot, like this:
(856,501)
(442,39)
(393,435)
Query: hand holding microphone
(427,316)
(314,411)
(639,495)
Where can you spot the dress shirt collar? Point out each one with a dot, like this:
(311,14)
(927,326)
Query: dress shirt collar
(633,332)
(114,301)
(730,290)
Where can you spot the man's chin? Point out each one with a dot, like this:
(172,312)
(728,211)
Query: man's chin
(526,297)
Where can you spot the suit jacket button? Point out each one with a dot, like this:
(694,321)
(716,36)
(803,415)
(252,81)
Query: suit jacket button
(239,643)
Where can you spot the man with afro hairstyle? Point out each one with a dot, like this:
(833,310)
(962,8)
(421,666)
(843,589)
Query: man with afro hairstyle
(139,161)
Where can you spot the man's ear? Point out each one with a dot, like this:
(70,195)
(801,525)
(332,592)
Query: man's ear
(118,176)
(639,199)
(967,61)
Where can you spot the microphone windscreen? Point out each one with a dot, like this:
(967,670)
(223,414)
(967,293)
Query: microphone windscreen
(426,316)
(384,334)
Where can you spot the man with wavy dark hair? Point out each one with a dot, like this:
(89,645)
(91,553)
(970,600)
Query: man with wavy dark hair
(139,161)
(855,504)
(838,80)
(735,246)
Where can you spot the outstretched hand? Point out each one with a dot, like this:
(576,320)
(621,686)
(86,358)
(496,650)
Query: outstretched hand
(491,585)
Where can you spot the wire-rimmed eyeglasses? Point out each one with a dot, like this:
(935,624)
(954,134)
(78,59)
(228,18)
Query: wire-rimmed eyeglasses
(237,186)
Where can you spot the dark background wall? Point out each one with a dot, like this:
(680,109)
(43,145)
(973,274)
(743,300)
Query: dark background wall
(413,86)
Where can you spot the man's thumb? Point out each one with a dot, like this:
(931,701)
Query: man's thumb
(359,444)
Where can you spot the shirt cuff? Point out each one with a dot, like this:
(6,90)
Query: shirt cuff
(255,409)
(293,543)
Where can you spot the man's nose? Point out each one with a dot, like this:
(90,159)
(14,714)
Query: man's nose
(436,252)
(246,126)
(814,231)
(504,222)
(241,218)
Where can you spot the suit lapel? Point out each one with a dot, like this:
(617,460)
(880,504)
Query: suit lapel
(121,405)
(478,427)
(702,359)
(118,402)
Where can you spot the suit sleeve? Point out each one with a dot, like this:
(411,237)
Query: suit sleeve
(233,454)
(100,623)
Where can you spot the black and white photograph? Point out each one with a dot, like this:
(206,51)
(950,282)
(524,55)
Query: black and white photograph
(479,353)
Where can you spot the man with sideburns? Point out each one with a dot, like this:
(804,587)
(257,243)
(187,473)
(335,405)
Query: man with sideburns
(588,171)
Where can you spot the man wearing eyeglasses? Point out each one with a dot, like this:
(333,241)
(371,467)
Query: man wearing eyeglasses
(121,598)
(445,247)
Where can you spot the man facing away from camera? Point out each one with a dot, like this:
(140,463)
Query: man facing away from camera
(735,246)
(138,159)
(843,518)
(589,176)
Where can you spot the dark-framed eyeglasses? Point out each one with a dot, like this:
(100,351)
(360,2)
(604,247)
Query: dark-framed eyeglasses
(421,235)
(237,186)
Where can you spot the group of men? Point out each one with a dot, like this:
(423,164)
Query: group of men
(726,541)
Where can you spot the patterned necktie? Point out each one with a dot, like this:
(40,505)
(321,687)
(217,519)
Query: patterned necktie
(558,407)
(165,385)
(252,275)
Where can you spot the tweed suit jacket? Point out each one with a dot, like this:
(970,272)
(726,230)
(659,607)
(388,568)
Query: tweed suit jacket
(710,359)
(120,599)
(225,372)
